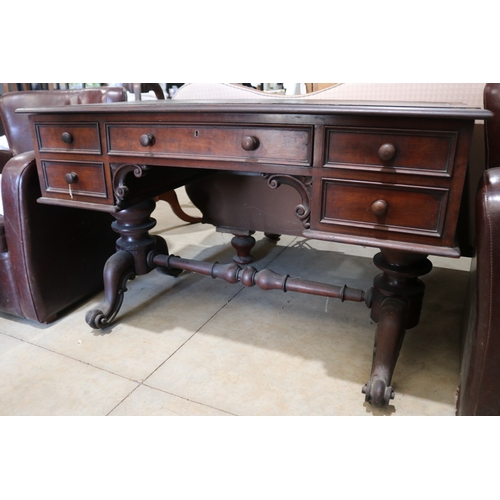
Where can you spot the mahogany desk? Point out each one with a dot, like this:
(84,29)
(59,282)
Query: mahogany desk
(383,175)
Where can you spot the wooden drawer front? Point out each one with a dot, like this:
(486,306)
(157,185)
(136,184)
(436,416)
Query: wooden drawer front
(88,179)
(83,138)
(261,144)
(429,151)
(400,208)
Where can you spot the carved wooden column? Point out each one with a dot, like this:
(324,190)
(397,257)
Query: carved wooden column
(396,305)
(131,259)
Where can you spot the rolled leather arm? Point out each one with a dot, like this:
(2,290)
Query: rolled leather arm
(480,371)
(20,189)
(57,253)
(19,185)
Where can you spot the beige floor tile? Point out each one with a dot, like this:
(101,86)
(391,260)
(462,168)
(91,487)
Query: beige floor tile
(278,365)
(269,353)
(153,324)
(19,327)
(7,343)
(38,382)
(145,401)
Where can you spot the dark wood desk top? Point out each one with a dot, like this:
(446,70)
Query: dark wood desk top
(284,106)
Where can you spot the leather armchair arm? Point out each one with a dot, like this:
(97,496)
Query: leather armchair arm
(19,183)
(20,189)
(53,251)
(480,373)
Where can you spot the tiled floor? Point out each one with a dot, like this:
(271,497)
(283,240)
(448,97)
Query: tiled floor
(196,346)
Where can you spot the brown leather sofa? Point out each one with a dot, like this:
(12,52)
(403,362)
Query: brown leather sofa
(480,371)
(49,258)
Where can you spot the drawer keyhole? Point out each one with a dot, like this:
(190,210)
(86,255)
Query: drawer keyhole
(71,178)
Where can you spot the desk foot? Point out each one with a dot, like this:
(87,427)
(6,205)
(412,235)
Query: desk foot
(272,236)
(118,270)
(243,244)
(388,340)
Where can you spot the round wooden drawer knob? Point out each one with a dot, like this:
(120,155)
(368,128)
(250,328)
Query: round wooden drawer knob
(380,207)
(71,178)
(250,143)
(67,137)
(386,152)
(147,140)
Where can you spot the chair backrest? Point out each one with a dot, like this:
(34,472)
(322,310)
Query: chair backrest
(138,88)
(16,125)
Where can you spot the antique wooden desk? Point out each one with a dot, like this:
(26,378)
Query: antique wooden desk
(383,175)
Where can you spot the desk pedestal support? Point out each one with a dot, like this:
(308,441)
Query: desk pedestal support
(395,299)
(135,243)
(396,306)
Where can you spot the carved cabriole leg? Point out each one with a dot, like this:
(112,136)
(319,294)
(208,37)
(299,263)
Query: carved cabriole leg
(135,243)
(171,198)
(396,306)
(388,340)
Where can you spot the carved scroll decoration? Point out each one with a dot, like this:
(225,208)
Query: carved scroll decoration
(302,185)
(120,173)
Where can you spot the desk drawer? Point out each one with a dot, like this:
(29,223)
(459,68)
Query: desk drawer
(429,151)
(261,144)
(85,178)
(381,207)
(78,138)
